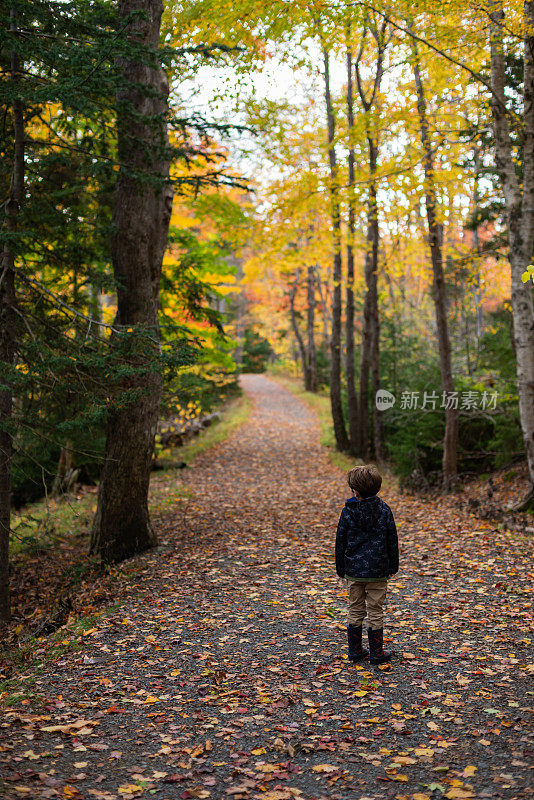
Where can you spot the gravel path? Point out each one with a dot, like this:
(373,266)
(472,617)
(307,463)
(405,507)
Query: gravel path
(223,673)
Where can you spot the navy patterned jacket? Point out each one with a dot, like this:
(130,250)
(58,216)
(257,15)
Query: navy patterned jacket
(366,540)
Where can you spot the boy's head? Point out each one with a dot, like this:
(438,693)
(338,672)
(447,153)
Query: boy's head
(365,480)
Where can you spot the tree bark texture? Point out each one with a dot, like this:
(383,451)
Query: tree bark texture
(312,354)
(8,332)
(325,315)
(296,331)
(450,442)
(519,204)
(141,215)
(370,333)
(378,416)
(352,397)
(370,347)
(340,432)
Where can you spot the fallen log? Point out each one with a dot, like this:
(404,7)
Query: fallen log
(174,432)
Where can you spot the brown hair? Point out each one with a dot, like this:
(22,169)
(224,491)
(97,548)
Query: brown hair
(366,480)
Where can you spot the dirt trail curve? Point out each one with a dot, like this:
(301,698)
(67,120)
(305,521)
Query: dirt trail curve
(222,674)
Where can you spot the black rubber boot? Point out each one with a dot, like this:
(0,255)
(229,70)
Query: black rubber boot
(354,636)
(376,646)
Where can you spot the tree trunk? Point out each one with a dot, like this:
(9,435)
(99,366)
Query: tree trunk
(479,312)
(370,323)
(67,474)
(519,214)
(378,419)
(340,433)
(352,397)
(326,315)
(8,333)
(450,442)
(240,314)
(297,333)
(312,355)
(141,217)
(370,347)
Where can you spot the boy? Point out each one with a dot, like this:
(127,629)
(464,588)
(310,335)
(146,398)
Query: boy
(367,554)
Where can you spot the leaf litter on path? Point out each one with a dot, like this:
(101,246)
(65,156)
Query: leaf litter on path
(224,674)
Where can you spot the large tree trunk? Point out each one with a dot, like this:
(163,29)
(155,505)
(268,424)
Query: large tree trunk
(8,333)
(296,331)
(352,397)
(450,442)
(312,355)
(141,217)
(519,214)
(340,433)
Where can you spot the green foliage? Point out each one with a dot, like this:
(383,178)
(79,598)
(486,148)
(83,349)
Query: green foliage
(496,353)
(256,351)
(488,438)
(74,364)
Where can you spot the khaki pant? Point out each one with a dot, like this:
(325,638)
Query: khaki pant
(367,596)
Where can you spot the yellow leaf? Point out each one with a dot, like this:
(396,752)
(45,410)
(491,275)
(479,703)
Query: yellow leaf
(458,794)
(418,796)
(324,768)
(469,771)
(423,751)
(259,751)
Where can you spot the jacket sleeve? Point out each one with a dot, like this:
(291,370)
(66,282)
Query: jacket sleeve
(341,544)
(393,546)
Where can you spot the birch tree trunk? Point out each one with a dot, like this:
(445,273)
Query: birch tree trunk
(141,215)
(519,204)
(450,442)
(8,330)
(340,433)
